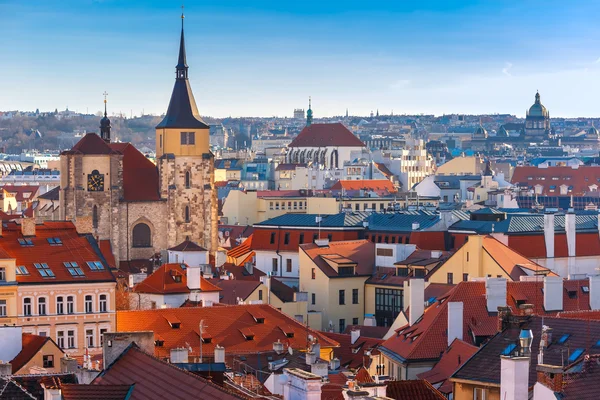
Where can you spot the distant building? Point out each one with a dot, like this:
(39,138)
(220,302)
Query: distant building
(299,113)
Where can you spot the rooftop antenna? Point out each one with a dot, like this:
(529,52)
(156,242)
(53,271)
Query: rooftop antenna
(201,325)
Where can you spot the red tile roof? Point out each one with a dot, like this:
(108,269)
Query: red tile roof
(91,143)
(187,246)
(233,289)
(21,192)
(454,356)
(155,379)
(171,279)
(106,249)
(224,324)
(368,184)
(326,135)
(513,263)
(579,179)
(239,272)
(361,252)
(413,390)
(427,338)
(74,248)
(32,344)
(140,175)
(352,356)
(96,392)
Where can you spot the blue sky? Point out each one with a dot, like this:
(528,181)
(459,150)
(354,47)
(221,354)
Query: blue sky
(265,58)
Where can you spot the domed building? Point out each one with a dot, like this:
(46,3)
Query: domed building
(537,122)
(592,133)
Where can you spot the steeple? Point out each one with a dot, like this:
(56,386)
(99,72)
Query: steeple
(105,123)
(309,113)
(182,67)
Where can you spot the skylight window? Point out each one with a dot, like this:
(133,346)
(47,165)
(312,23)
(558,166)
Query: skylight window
(585,289)
(575,355)
(55,241)
(44,270)
(95,265)
(25,242)
(74,269)
(563,338)
(509,349)
(21,270)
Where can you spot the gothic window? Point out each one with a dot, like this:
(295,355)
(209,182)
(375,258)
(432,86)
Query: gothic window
(95,217)
(188,179)
(187,214)
(142,236)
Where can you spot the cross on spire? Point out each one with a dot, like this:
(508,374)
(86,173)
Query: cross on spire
(105,94)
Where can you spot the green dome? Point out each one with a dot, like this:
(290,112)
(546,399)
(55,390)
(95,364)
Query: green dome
(481,132)
(537,109)
(592,131)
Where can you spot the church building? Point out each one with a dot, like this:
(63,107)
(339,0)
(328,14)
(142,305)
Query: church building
(118,194)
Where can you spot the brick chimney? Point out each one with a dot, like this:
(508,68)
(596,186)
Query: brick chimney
(28,227)
(550,376)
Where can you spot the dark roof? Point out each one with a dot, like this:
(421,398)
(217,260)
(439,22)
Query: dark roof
(136,367)
(96,392)
(232,289)
(413,390)
(26,387)
(51,194)
(376,332)
(187,246)
(352,220)
(282,291)
(400,222)
(352,355)
(324,135)
(31,345)
(582,380)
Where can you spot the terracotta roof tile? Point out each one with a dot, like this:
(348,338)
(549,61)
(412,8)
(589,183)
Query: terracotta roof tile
(171,279)
(362,252)
(232,289)
(413,390)
(91,143)
(106,249)
(367,184)
(140,175)
(326,135)
(96,392)
(352,355)
(578,179)
(187,246)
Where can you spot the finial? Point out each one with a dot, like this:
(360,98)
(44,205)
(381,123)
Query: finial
(105,94)
(309,101)
(182,12)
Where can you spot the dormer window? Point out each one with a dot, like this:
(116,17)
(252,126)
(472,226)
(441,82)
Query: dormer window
(177,278)
(175,325)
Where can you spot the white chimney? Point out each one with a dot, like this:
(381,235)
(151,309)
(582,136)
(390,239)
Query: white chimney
(570,230)
(11,342)
(334,364)
(193,277)
(416,226)
(495,293)
(369,320)
(549,234)
(278,347)
(354,335)
(311,358)
(595,292)
(179,355)
(219,354)
(553,293)
(319,368)
(416,299)
(514,378)
(455,321)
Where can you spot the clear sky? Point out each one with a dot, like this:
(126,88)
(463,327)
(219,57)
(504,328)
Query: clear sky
(263,58)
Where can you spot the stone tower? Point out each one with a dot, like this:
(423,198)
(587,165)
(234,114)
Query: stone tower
(186,165)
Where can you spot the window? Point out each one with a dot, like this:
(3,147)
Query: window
(95,217)
(465,277)
(42,306)
(450,278)
(419,272)
(74,269)
(71,339)
(188,179)
(186,214)
(342,325)
(385,252)
(70,305)
(25,242)
(27,306)
(60,306)
(142,237)
(272,241)
(160,140)
(313,273)
(354,321)
(260,297)
(467,256)
(89,337)
(286,238)
(480,394)
(102,332)
(21,270)
(44,270)
(314,298)
(402,271)
(188,138)
(2,274)
(388,304)
(95,265)
(60,339)
(330,237)
(2,308)
(288,265)
(354,296)
(274,269)
(270,205)
(48,361)
(301,240)
(89,304)
(315,236)
(342,297)
(103,303)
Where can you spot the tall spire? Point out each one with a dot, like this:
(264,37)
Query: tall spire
(182,67)
(309,113)
(105,123)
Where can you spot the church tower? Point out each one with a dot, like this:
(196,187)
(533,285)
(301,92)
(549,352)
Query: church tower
(186,165)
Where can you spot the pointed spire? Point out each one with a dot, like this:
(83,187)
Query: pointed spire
(105,123)
(309,113)
(182,67)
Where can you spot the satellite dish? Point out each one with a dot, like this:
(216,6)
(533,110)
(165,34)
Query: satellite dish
(290,351)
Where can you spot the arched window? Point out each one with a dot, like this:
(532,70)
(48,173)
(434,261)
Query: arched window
(186,214)
(95,217)
(142,236)
(188,179)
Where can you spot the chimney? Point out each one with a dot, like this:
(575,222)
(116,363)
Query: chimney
(416,226)
(114,343)
(549,234)
(5,369)
(322,242)
(193,274)
(28,227)
(570,230)
(220,354)
(514,378)
(551,376)
(553,293)
(334,364)
(545,341)
(311,358)
(455,321)
(319,368)
(416,299)
(495,293)
(68,364)
(179,355)
(278,347)
(369,320)
(249,268)
(504,318)
(354,335)
(594,292)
